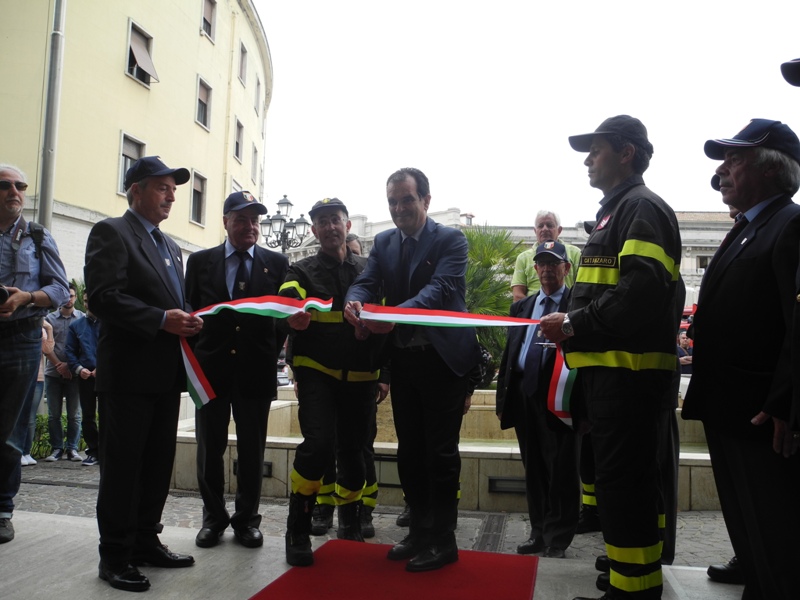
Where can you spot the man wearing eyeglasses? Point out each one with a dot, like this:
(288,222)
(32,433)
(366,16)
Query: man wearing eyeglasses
(548,447)
(33,281)
(525,280)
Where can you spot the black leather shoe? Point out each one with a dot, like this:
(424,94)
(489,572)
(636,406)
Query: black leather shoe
(603,582)
(531,546)
(727,573)
(249,537)
(602,563)
(433,557)
(404,518)
(408,547)
(589,520)
(160,556)
(207,537)
(553,552)
(126,577)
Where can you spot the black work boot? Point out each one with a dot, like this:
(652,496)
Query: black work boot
(367,528)
(321,519)
(350,522)
(588,520)
(298,528)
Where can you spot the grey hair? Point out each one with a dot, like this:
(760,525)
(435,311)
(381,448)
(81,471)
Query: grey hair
(788,180)
(129,192)
(20,172)
(548,213)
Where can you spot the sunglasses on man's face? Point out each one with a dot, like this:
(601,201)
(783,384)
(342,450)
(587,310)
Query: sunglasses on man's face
(5,185)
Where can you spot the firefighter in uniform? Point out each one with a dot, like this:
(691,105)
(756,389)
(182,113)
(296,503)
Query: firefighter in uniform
(620,331)
(337,383)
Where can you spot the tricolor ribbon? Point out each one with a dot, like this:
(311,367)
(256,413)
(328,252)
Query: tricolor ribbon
(280,307)
(267,306)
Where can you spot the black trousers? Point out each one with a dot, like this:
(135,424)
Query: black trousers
(758,492)
(211,426)
(88,399)
(137,449)
(550,459)
(623,408)
(335,421)
(428,406)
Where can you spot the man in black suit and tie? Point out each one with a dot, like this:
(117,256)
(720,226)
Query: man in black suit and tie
(233,350)
(135,278)
(548,446)
(422,264)
(744,399)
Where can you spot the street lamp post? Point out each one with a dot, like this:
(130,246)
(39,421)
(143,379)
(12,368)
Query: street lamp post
(278,232)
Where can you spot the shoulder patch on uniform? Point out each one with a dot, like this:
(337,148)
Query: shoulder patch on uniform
(599,261)
(603,222)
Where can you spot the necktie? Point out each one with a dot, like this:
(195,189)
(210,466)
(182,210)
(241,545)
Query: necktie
(732,234)
(161,244)
(533,359)
(241,283)
(406,332)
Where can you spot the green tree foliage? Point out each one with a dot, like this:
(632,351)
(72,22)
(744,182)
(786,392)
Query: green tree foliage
(491,259)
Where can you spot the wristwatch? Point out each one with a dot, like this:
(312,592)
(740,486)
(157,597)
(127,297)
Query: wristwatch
(566,327)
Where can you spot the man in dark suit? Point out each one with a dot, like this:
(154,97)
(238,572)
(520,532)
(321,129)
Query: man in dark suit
(233,351)
(791,72)
(134,275)
(744,400)
(548,446)
(422,265)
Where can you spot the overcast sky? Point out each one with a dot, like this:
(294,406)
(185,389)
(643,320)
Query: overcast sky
(482,96)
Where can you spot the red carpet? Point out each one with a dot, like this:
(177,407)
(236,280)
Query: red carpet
(346,570)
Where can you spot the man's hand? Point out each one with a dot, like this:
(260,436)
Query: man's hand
(181,323)
(63,370)
(550,326)
(383,391)
(685,360)
(351,314)
(467,403)
(16,298)
(299,321)
(783,439)
(85,373)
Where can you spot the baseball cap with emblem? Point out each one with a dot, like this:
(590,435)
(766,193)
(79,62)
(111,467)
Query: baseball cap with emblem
(758,132)
(240,200)
(551,248)
(151,166)
(327,203)
(791,71)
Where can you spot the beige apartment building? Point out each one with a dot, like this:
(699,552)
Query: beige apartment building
(188,80)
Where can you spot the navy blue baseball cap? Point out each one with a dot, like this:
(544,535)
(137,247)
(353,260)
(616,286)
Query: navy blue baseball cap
(627,127)
(327,203)
(553,248)
(791,71)
(240,200)
(758,132)
(151,166)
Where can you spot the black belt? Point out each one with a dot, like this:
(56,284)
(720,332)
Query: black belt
(10,328)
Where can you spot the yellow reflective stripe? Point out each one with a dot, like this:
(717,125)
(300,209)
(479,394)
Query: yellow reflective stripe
(371,502)
(598,275)
(345,496)
(303,486)
(588,487)
(662,521)
(636,584)
(326,488)
(589,500)
(370,490)
(293,285)
(325,500)
(334,316)
(625,360)
(654,251)
(635,556)
(353,376)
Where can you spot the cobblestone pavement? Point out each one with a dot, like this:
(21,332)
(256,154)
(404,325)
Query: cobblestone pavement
(67,488)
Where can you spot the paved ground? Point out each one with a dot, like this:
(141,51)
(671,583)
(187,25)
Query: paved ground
(69,489)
